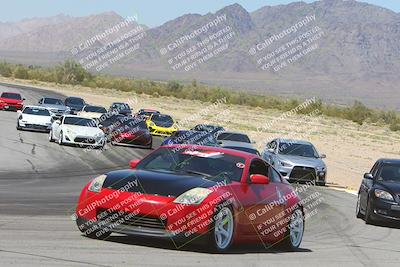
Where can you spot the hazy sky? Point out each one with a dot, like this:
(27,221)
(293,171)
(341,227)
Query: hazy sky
(149,12)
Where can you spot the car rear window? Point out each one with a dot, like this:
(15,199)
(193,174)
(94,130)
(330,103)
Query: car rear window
(11,96)
(36,111)
(234,137)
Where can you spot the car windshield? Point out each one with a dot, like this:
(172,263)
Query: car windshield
(114,120)
(209,128)
(303,150)
(78,121)
(209,164)
(135,123)
(36,111)
(52,101)
(11,96)
(75,101)
(234,137)
(95,109)
(390,173)
(245,149)
(120,106)
(193,137)
(162,120)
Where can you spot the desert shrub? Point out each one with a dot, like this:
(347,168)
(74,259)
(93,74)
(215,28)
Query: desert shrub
(5,69)
(20,72)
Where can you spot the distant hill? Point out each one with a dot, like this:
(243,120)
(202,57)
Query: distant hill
(357,57)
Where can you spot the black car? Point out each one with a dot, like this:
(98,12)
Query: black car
(76,104)
(212,129)
(120,108)
(192,137)
(379,194)
(146,113)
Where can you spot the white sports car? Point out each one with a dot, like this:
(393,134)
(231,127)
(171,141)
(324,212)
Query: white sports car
(92,112)
(34,118)
(71,129)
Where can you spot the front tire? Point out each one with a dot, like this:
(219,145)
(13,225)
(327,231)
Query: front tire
(368,210)
(60,139)
(221,236)
(295,231)
(51,139)
(358,208)
(18,126)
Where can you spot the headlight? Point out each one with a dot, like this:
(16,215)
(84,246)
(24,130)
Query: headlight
(97,183)
(321,168)
(383,195)
(193,197)
(152,124)
(284,164)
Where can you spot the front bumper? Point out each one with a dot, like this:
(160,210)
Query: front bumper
(158,131)
(35,127)
(84,140)
(385,210)
(145,215)
(302,174)
(14,107)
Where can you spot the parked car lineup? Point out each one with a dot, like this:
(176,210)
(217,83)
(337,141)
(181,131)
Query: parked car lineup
(195,170)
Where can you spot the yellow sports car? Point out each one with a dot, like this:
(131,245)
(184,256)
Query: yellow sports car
(161,124)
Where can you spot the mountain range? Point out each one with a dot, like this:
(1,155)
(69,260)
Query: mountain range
(357,56)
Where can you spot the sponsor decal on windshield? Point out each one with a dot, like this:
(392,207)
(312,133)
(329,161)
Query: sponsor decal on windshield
(203,154)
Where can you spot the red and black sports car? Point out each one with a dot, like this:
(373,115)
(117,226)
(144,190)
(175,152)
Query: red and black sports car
(11,101)
(132,132)
(224,196)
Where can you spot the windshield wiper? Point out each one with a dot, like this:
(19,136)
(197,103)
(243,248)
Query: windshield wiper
(197,173)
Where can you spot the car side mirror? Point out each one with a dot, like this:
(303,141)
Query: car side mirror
(322,156)
(368,176)
(253,142)
(58,122)
(133,163)
(259,179)
(23,99)
(271,150)
(100,125)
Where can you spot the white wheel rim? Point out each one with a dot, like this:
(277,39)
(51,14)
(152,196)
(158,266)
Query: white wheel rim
(223,230)
(296,228)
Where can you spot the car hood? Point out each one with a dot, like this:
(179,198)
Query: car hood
(155,183)
(392,187)
(83,131)
(91,115)
(49,106)
(73,106)
(302,161)
(29,118)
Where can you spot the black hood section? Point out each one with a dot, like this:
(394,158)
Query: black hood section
(154,183)
(391,187)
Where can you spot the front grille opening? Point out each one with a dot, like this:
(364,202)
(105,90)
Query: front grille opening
(303,173)
(129,219)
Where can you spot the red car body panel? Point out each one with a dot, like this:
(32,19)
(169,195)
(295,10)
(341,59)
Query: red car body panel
(244,198)
(11,103)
